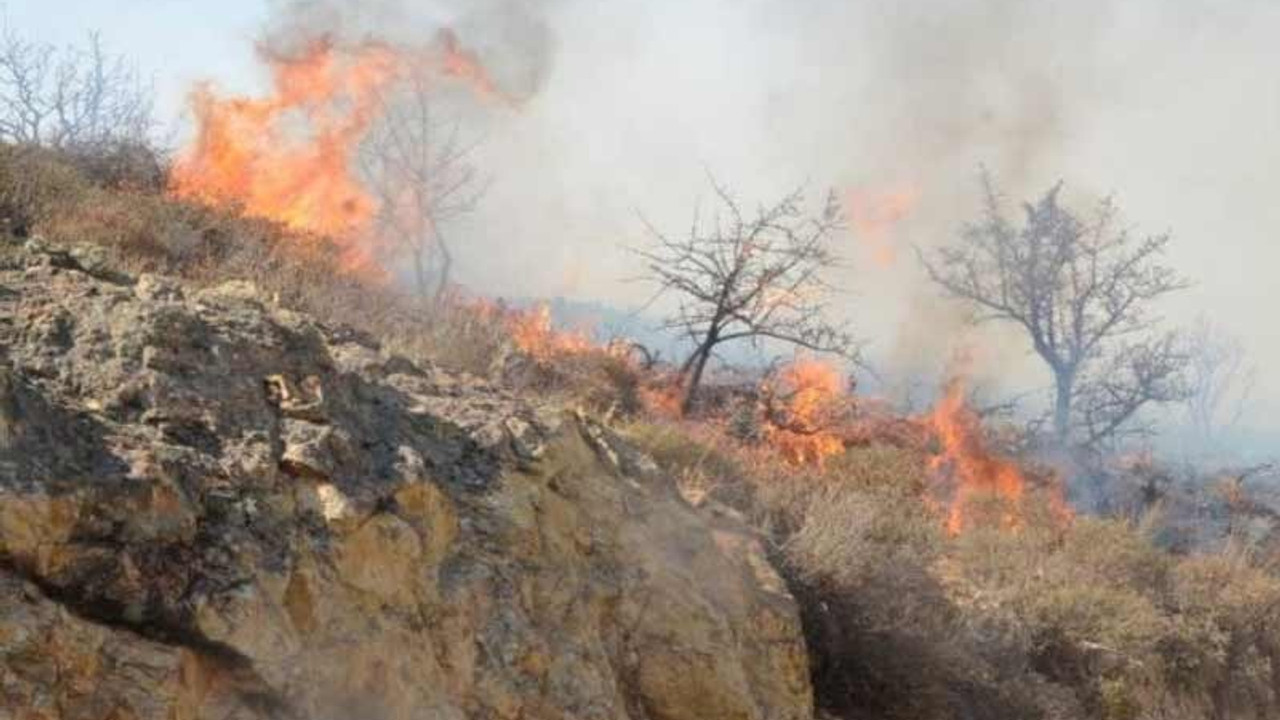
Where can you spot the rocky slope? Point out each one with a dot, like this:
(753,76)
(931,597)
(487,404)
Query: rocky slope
(213,508)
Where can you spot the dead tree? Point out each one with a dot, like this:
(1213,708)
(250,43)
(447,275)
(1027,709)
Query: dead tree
(78,99)
(1082,289)
(1221,380)
(753,277)
(417,163)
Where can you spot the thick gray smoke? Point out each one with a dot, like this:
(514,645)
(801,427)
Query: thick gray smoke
(1166,105)
(1170,105)
(513,36)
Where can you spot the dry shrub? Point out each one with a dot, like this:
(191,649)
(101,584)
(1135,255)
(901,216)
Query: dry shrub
(886,638)
(1039,620)
(599,379)
(35,186)
(788,494)
(876,540)
(121,165)
(702,462)
(114,202)
(1228,639)
(1136,633)
(901,620)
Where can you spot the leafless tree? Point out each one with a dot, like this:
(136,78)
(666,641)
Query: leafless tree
(754,277)
(1082,288)
(81,99)
(1221,379)
(418,163)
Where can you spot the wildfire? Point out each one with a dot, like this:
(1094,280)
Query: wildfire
(244,153)
(803,409)
(532,332)
(874,214)
(290,156)
(663,397)
(974,472)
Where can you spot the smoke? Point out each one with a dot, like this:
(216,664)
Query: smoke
(512,35)
(623,107)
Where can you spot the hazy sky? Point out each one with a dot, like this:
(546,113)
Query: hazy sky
(1172,106)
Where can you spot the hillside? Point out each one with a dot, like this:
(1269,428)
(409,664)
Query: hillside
(212,507)
(237,482)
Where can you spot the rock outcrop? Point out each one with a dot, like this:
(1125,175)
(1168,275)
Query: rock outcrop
(213,508)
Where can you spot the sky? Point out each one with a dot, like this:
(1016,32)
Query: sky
(1171,106)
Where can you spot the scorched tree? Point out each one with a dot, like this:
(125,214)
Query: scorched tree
(749,276)
(1083,289)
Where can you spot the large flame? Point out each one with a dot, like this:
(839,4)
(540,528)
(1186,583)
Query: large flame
(874,214)
(290,156)
(803,411)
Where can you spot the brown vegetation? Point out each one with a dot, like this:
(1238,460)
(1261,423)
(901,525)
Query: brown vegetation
(904,619)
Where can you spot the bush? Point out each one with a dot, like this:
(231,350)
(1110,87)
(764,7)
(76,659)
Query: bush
(1030,620)
(35,186)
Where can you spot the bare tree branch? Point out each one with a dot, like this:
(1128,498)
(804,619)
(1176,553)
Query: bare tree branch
(755,277)
(418,165)
(1082,289)
(79,99)
(1220,379)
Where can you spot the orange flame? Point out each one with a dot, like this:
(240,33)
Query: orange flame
(803,428)
(533,333)
(873,215)
(244,153)
(663,397)
(975,472)
(459,63)
(289,156)
(973,469)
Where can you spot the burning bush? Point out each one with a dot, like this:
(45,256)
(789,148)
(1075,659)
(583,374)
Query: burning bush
(968,471)
(806,405)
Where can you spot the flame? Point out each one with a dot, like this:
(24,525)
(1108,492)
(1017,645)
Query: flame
(874,214)
(462,64)
(244,153)
(803,426)
(290,156)
(974,472)
(532,332)
(973,469)
(663,397)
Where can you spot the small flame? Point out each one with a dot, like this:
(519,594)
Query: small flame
(801,421)
(874,214)
(459,63)
(973,469)
(975,472)
(663,397)
(533,333)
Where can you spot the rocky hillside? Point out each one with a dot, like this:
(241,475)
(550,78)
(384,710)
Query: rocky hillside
(215,508)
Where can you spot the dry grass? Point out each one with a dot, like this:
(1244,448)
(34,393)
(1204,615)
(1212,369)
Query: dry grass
(117,205)
(903,621)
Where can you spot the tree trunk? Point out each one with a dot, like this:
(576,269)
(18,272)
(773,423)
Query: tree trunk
(699,364)
(446,269)
(420,271)
(1064,382)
